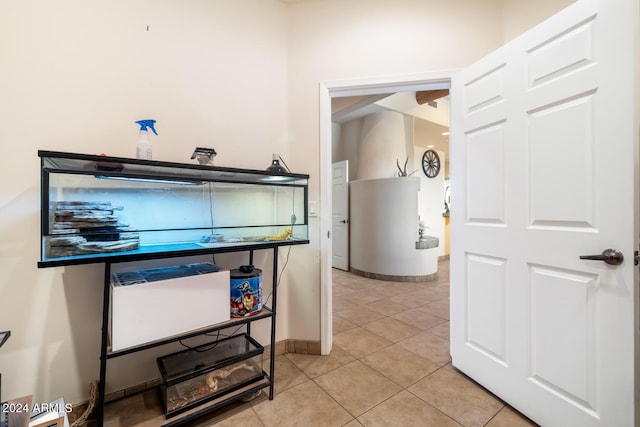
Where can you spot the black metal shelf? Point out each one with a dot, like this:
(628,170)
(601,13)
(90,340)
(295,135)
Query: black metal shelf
(114,169)
(237,321)
(145,256)
(267,313)
(155,169)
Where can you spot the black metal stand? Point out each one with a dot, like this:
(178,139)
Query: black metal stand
(4,336)
(272,360)
(104,341)
(266,313)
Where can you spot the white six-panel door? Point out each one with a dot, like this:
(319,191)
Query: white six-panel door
(543,157)
(340,214)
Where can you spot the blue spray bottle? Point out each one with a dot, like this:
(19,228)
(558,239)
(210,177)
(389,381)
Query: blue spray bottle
(143,149)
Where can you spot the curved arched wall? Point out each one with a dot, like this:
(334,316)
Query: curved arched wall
(382,142)
(384,231)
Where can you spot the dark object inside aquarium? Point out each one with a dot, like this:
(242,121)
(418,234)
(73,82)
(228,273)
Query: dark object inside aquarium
(79,227)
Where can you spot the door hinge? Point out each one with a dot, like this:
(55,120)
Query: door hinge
(636,257)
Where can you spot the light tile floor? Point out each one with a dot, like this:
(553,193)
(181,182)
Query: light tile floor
(389,366)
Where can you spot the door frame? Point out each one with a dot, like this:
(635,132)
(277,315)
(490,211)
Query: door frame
(337,89)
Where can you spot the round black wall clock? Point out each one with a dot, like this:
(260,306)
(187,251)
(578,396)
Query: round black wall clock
(430,163)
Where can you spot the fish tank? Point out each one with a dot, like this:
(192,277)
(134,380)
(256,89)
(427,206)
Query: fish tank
(100,208)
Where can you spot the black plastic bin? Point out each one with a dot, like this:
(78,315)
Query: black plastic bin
(198,375)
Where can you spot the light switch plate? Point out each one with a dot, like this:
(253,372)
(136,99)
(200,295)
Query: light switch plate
(313,208)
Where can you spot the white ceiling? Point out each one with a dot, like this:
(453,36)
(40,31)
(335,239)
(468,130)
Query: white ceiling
(430,132)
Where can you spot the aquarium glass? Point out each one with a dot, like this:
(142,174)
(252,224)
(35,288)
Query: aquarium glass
(97,207)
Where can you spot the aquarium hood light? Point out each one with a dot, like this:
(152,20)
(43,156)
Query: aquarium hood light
(275,178)
(275,166)
(152,180)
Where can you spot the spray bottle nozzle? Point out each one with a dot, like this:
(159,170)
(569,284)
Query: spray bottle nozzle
(144,124)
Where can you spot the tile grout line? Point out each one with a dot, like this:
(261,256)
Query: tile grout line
(438,409)
(440,366)
(334,399)
(360,360)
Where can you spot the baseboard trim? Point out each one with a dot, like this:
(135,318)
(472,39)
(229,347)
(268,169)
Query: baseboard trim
(303,347)
(391,278)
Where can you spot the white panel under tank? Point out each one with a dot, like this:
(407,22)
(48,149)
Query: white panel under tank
(152,304)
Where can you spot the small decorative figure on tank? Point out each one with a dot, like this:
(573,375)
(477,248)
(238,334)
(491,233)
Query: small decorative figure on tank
(204,155)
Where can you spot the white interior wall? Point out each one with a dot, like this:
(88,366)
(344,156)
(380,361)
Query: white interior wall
(431,194)
(389,39)
(334,40)
(75,76)
(520,15)
(336,142)
(405,102)
(382,145)
(348,148)
(384,228)
(431,199)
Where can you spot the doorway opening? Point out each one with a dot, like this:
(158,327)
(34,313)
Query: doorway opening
(342,89)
